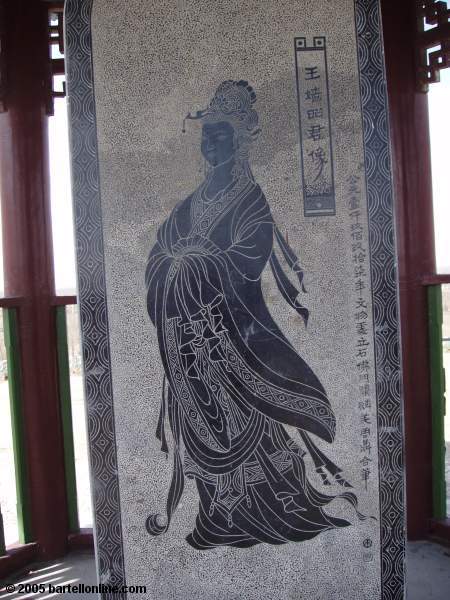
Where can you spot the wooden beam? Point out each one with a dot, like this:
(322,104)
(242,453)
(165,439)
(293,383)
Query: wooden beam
(436,279)
(411,162)
(28,265)
(16,558)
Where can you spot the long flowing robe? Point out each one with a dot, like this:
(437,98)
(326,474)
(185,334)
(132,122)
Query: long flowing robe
(233,379)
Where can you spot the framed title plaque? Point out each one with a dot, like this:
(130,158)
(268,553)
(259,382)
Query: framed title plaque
(238,297)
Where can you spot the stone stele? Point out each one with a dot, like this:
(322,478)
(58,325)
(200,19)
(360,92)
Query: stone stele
(238,297)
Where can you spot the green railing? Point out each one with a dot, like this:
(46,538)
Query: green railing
(10,325)
(10,320)
(437,372)
(66,417)
(2,537)
(17,428)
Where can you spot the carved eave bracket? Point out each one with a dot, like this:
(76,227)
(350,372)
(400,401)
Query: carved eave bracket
(433,41)
(55,65)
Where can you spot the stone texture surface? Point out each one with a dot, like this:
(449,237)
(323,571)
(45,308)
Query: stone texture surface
(153,63)
(428,574)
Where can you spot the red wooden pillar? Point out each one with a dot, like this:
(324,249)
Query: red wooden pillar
(415,241)
(28,263)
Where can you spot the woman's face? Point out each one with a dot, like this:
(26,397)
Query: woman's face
(217,142)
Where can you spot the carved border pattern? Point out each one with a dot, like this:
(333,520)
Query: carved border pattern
(93,302)
(92,296)
(383,261)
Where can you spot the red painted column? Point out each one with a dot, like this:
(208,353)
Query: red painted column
(28,263)
(415,241)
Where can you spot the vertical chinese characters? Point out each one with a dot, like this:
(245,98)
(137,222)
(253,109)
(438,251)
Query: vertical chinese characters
(315,127)
(361,319)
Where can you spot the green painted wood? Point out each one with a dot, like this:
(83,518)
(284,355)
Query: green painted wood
(2,535)
(66,417)
(10,329)
(435,318)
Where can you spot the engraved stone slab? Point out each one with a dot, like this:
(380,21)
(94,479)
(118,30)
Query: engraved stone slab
(238,296)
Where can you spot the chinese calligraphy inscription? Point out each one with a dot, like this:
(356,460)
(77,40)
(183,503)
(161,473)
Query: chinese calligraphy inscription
(359,248)
(315,127)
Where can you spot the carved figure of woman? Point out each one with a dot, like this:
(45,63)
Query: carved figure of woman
(232,379)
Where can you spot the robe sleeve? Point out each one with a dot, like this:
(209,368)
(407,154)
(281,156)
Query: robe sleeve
(252,237)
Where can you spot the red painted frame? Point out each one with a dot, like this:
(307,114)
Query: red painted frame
(28,265)
(17,558)
(411,162)
(24,174)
